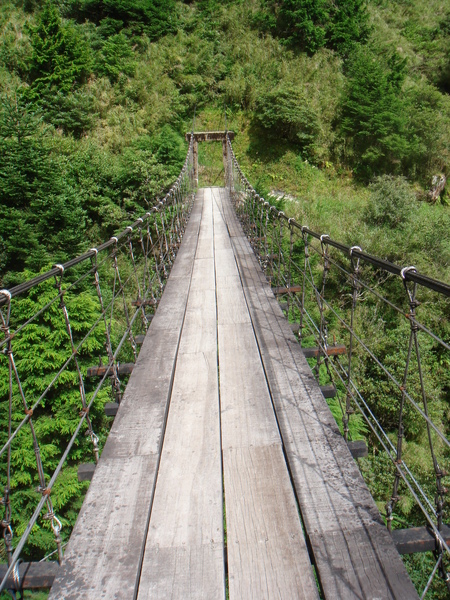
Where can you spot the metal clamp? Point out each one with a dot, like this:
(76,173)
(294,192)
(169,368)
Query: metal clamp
(405,270)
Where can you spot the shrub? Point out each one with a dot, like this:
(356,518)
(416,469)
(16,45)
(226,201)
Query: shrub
(391,202)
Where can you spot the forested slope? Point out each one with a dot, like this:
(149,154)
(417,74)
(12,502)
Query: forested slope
(341,107)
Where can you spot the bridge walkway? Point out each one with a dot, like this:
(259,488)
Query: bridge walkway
(224,466)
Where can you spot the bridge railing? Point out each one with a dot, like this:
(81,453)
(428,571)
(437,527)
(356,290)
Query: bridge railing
(53,326)
(378,335)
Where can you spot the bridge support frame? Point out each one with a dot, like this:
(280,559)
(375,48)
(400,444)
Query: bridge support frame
(210,136)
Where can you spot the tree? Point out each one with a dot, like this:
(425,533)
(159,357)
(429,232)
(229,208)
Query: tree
(312,24)
(41,217)
(373,115)
(348,25)
(155,18)
(60,59)
(117,58)
(285,111)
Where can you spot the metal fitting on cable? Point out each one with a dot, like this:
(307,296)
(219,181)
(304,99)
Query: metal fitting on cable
(16,575)
(59,267)
(114,239)
(354,248)
(7,294)
(56,528)
(405,270)
(304,227)
(323,236)
(129,228)
(94,250)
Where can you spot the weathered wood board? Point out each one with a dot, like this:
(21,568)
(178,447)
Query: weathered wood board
(354,554)
(103,558)
(220,413)
(184,553)
(267,554)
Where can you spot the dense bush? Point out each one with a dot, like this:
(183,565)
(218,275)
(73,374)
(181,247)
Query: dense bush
(285,112)
(391,203)
(155,18)
(312,24)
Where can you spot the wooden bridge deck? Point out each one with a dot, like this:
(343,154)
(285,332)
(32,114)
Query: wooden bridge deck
(224,465)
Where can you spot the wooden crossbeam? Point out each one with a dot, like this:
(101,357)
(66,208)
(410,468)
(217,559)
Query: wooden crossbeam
(417,539)
(358,448)
(122,369)
(32,575)
(295,327)
(86,471)
(294,289)
(111,409)
(331,351)
(210,136)
(328,391)
(139,302)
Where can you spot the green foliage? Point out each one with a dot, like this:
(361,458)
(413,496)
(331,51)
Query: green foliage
(284,111)
(60,59)
(40,351)
(373,117)
(116,58)
(312,24)
(35,204)
(391,202)
(155,18)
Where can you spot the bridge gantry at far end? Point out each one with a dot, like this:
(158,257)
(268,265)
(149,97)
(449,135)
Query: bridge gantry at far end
(224,468)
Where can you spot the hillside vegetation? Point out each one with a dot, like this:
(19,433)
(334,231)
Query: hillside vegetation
(341,111)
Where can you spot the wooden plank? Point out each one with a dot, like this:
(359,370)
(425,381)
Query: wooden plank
(210,136)
(280,291)
(336,350)
(267,555)
(86,471)
(122,369)
(184,554)
(32,575)
(354,554)
(358,448)
(418,539)
(103,557)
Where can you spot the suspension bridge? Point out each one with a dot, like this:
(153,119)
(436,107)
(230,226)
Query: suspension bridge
(225,473)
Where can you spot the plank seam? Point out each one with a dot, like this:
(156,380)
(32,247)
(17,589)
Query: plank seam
(224,510)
